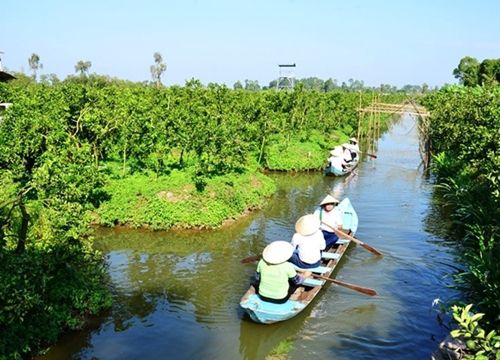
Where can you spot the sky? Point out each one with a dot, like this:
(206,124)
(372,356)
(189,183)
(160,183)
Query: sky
(223,41)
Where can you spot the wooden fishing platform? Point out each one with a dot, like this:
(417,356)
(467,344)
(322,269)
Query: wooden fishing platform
(409,107)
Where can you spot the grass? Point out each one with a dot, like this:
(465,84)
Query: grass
(164,202)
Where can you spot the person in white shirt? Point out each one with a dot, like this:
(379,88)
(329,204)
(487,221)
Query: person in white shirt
(350,152)
(335,161)
(308,242)
(328,213)
(337,158)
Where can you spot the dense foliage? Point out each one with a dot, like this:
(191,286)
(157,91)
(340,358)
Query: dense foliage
(481,345)
(212,128)
(50,278)
(465,129)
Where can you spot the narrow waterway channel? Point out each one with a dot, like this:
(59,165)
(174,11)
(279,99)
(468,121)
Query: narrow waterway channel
(176,294)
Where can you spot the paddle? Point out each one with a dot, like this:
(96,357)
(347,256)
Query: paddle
(366,291)
(357,241)
(371,155)
(250,259)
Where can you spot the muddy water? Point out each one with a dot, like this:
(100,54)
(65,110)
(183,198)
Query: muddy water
(176,294)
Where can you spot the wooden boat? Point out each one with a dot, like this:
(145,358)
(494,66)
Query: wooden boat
(340,171)
(268,313)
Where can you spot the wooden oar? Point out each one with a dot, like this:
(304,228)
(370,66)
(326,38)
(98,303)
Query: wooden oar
(371,155)
(364,290)
(251,259)
(357,241)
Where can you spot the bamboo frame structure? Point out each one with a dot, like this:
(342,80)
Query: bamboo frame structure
(376,108)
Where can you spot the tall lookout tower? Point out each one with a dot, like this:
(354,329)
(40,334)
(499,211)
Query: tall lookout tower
(286,78)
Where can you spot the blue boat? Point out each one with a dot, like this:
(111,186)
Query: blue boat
(268,313)
(334,170)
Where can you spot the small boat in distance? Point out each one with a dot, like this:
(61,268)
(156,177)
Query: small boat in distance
(341,170)
(268,313)
(336,162)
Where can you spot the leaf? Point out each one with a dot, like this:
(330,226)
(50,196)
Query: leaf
(476,317)
(490,335)
(471,344)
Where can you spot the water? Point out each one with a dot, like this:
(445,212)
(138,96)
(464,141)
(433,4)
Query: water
(176,294)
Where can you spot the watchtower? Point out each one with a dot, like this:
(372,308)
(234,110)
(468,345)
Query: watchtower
(286,78)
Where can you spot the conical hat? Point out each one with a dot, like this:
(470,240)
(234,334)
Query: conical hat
(353,139)
(307,225)
(277,252)
(329,199)
(337,151)
(350,147)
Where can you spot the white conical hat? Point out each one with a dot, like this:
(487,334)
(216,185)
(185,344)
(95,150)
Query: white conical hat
(350,147)
(329,199)
(277,252)
(353,139)
(337,151)
(307,225)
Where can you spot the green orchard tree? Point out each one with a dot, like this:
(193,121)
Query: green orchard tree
(44,160)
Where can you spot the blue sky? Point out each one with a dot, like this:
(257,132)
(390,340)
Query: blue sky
(396,42)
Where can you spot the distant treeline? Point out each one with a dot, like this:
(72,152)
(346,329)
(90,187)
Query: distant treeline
(317,84)
(310,83)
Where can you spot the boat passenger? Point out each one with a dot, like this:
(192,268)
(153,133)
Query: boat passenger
(348,153)
(276,279)
(336,159)
(354,143)
(308,242)
(328,213)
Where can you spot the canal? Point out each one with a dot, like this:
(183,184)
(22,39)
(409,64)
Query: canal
(176,294)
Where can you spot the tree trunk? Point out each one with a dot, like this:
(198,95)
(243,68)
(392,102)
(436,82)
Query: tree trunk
(124,160)
(23,231)
(181,158)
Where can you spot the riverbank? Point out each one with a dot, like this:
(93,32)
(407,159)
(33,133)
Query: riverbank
(169,202)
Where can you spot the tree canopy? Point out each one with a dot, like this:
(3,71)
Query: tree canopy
(470,72)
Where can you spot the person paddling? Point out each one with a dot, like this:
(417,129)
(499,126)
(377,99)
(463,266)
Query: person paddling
(308,241)
(276,279)
(329,213)
(349,153)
